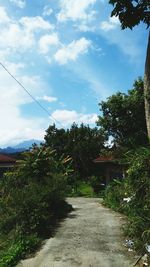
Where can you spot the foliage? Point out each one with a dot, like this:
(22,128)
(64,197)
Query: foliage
(139,183)
(18,249)
(56,139)
(132,196)
(131,12)
(32,197)
(97,184)
(123,117)
(82,189)
(91,188)
(116,193)
(81,143)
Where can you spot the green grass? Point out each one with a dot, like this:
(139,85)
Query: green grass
(82,189)
(13,250)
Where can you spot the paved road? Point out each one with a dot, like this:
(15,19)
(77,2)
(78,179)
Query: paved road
(91,236)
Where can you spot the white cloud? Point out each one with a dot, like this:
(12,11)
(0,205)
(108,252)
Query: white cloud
(21,35)
(67,117)
(72,51)
(84,27)
(47,41)
(110,24)
(19,3)
(32,24)
(127,41)
(14,68)
(14,126)
(15,37)
(4,53)
(76,10)
(4,18)
(49,99)
(24,131)
(11,92)
(47,11)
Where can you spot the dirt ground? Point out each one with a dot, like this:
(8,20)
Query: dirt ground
(91,236)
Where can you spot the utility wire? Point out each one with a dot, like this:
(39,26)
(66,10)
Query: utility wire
(33,98)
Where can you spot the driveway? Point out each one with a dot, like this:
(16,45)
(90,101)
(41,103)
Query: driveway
(91,236)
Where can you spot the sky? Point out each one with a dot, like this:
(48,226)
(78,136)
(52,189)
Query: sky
(70,55)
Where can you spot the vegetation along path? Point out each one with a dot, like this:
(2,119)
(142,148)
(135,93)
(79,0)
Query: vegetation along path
(91,236)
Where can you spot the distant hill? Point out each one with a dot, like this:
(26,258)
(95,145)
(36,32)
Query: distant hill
(25,145)
(10,150)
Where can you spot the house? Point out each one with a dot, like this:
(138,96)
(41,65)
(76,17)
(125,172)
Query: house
(108,169)
(6,163)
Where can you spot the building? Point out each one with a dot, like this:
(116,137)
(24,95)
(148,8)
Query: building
(108,169)
(6,163)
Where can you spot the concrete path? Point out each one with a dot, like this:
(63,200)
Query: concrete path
(91,236)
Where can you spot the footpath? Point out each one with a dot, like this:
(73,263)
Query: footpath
(91,236)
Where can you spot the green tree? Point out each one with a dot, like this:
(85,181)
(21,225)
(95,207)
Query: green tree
(56,139)
(81,143)
(84,145)
(123,117)
(131,13)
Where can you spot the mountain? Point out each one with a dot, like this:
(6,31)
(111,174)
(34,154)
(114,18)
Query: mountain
(25,145)
(10,150)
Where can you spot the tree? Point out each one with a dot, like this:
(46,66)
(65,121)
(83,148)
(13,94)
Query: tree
(130,14)
(56,139)
(84,145)
(81,143)
(147,88)
(123,117)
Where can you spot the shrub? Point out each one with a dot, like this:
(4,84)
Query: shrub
(81,189)
(139,184)
(135,189)
(97,184)
(32,197)
(114,194)
(18,249)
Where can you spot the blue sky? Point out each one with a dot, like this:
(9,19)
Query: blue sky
(70,55)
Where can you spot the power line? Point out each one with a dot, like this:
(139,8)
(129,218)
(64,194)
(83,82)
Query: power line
(33,98)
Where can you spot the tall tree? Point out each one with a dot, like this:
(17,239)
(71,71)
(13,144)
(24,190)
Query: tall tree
(81,143)
(147,88)
(56,139)
(84,145)
(123,117)
(130,14)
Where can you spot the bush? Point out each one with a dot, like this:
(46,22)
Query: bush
(139,184)
(114,194)
(81,189)
(132,196)
(18,249)
(33,197)
(97,184)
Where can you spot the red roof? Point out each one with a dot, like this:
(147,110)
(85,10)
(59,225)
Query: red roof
(5,158)
(104,159)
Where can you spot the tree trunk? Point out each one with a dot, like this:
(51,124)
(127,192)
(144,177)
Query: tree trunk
(147,88)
